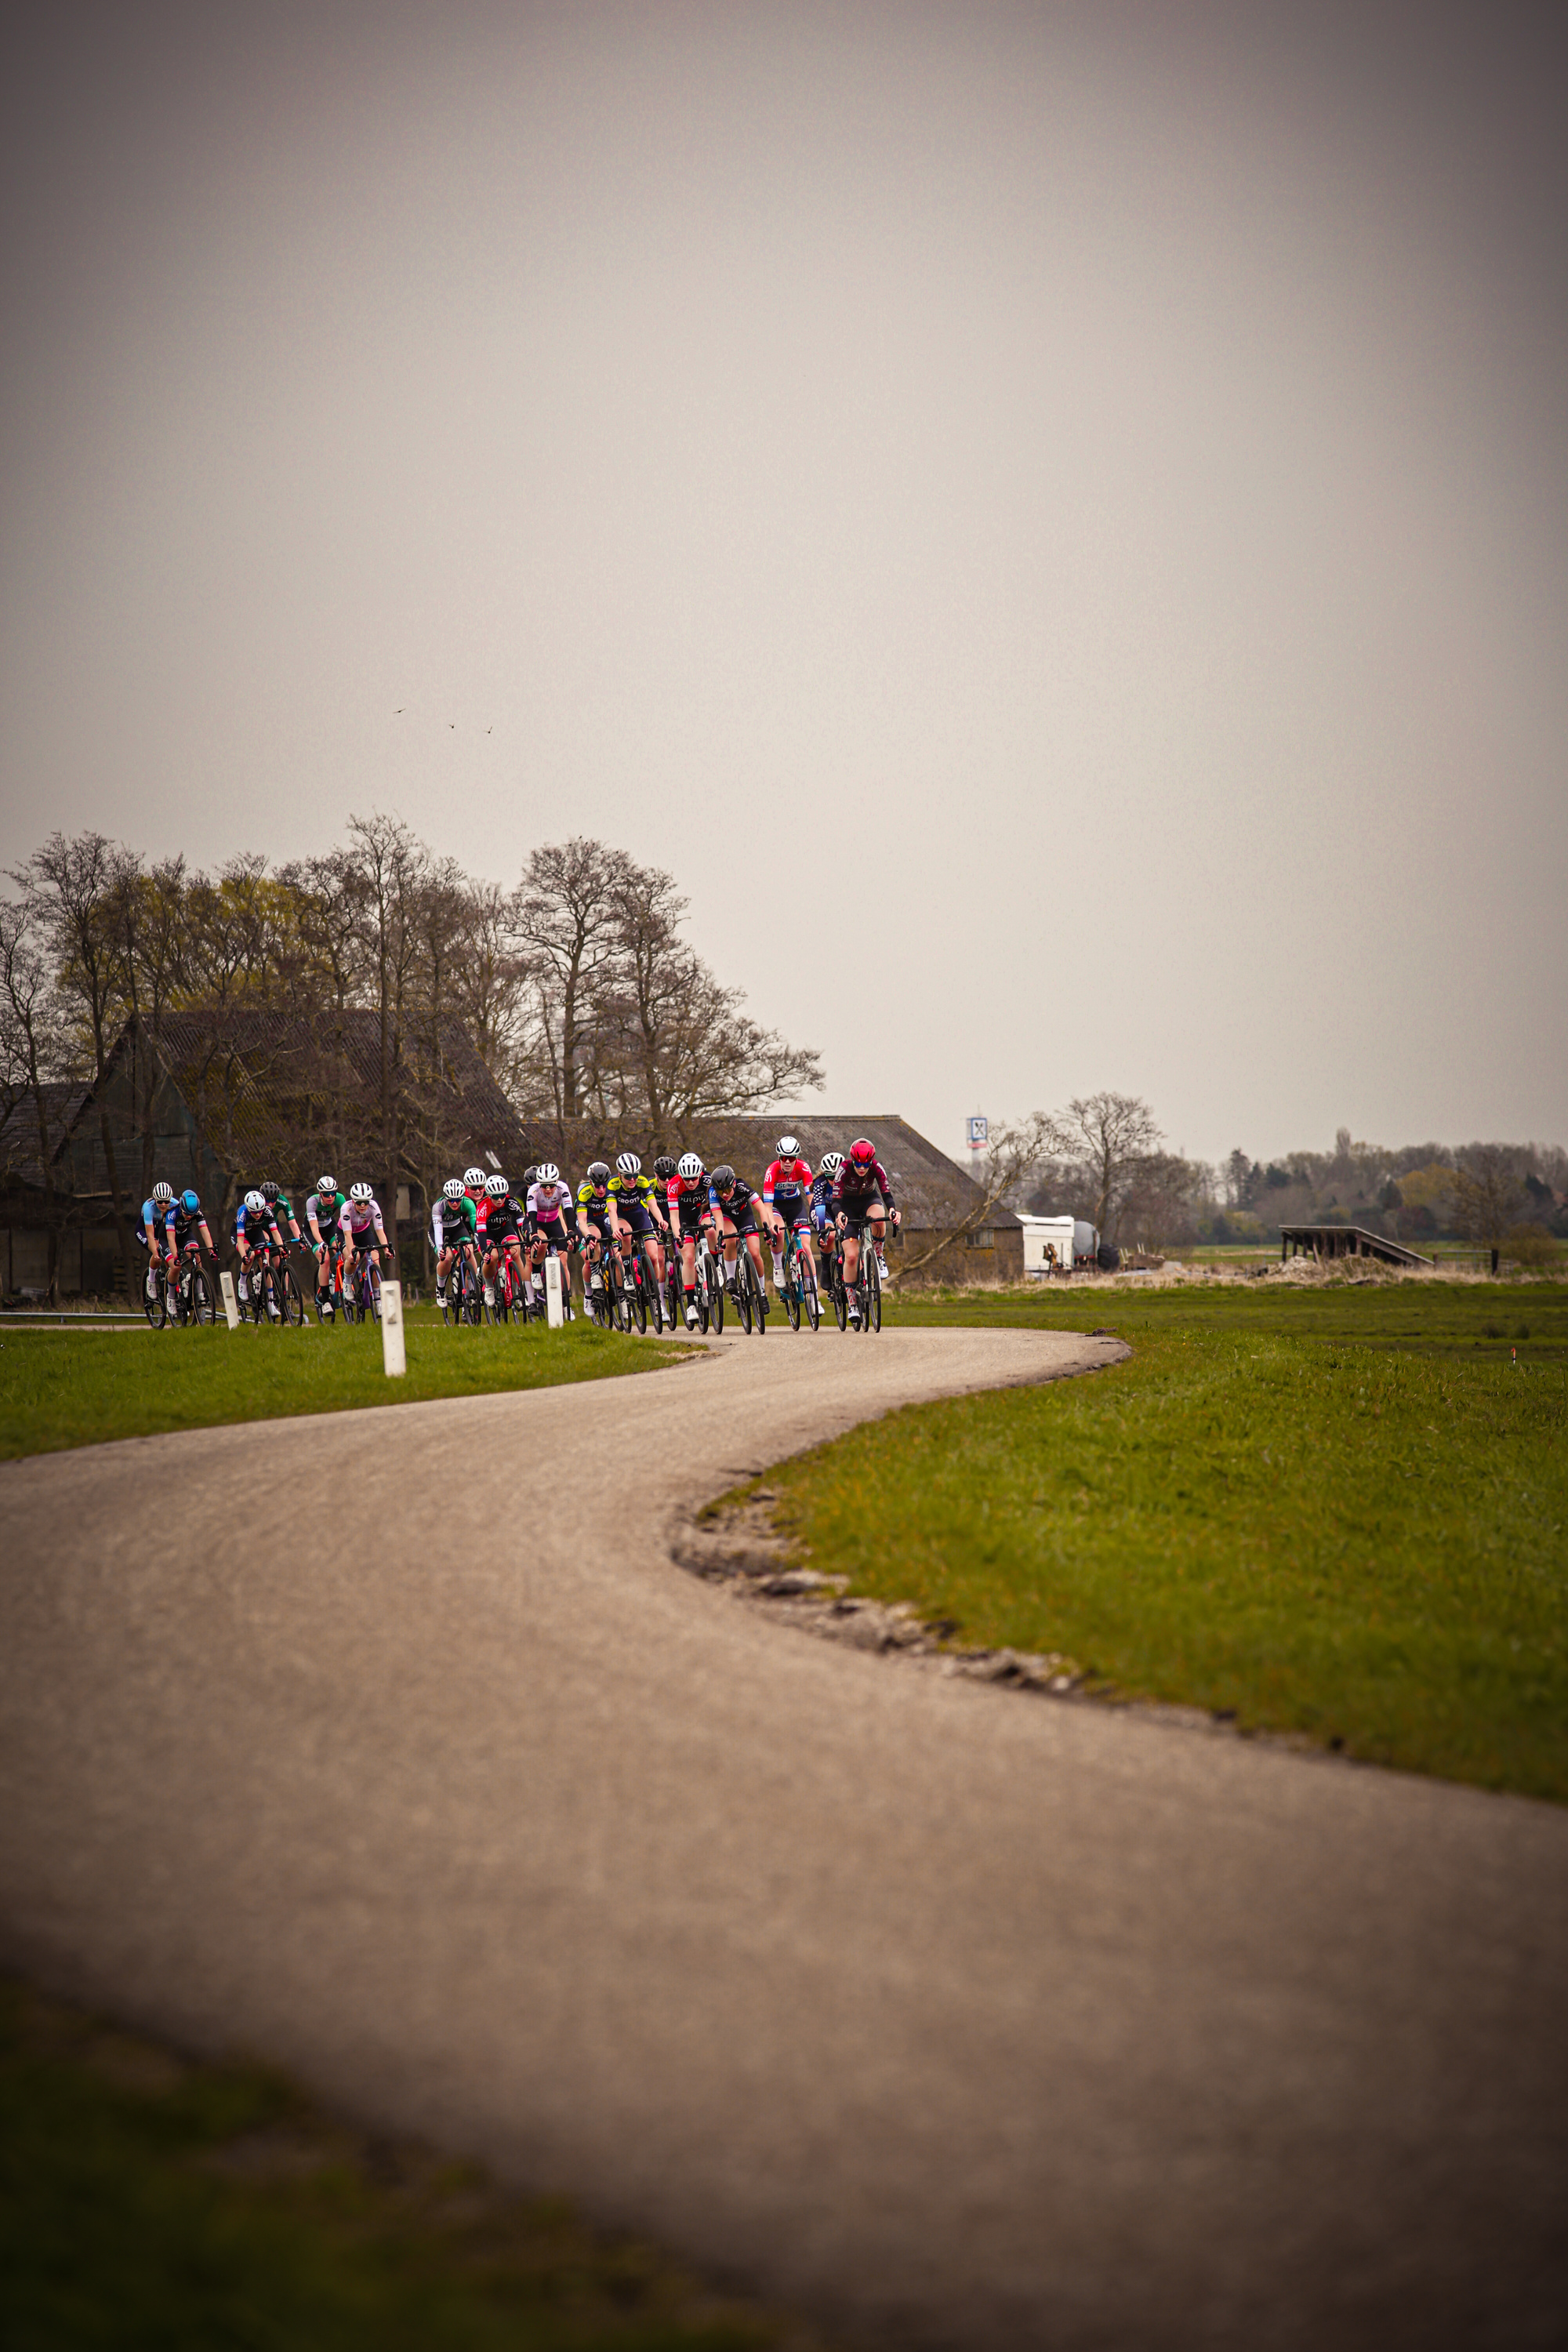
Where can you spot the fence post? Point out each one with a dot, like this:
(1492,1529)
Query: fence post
(553,1315)
(230,1303)
(393,1356)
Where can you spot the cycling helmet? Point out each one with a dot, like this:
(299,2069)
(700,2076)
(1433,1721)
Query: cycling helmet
(691,1168)
(663,1167)
(326,1184)
(473,1178)
(722,1178)
(547,1172)
(628,1163)
(361,1193)
(832,1162)
(529,1176)
(599,1173)
(789,1147)
(162,1195)
(193,1205)
(862,1154)
(453,1189)
(269,1190)
(255,1202)
(496,1187)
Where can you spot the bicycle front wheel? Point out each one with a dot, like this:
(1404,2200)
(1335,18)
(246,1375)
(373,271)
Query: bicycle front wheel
(794,1282)
(841,1303)
(201,1296)
(290,1300)
(371,1295)
(873,1294)
(636,1293)
(154,1308)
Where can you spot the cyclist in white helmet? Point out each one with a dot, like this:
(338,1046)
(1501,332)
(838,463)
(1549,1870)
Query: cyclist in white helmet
(363,1229)
(690,1214)
(787,1189)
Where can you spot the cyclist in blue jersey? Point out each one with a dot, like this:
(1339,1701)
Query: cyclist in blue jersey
(183,1221)
(154,1209)
(255,1230)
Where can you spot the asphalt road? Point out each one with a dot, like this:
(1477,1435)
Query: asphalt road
(392,1745)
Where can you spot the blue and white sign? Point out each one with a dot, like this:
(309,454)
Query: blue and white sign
(979,1133)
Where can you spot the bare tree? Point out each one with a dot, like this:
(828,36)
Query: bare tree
(1014,1158)
(389,867)
(567,922)
(72,885)
(32,1051)
(1488,1192)
(1103,1139)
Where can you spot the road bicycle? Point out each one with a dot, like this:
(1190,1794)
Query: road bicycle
(749,1292)
(513,1299)
(191,1300)
(602,1287)
(361,1297)
(328,1304)
(709,1287)
(155,1301)
(800,1289)
(865,1291)
(267,1278)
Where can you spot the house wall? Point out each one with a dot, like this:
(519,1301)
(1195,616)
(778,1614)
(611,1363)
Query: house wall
(996,1253)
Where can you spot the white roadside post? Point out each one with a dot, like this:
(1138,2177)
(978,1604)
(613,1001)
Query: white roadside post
(230,1303)
(393,1356)
(553,1315)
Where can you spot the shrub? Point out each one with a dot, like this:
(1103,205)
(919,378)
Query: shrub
(1529,1245)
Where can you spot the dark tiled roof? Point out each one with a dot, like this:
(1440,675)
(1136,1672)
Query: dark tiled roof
(285,1058)
(63,1103)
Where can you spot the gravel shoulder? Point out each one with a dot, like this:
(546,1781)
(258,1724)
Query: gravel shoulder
(395,1746)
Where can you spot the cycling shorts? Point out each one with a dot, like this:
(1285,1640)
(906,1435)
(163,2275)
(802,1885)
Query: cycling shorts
(794,1209)
(504,1236)
(861,1212)
(553,1232)
(742,1222)
(634,1215)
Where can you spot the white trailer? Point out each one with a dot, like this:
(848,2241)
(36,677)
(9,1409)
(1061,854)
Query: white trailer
(1048,1244)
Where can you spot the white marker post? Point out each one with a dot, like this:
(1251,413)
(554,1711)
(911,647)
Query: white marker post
(553,1316)
(230,1303)
(393,1357)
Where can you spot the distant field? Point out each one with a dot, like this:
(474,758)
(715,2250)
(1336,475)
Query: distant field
(1337,1512)
(79,1387)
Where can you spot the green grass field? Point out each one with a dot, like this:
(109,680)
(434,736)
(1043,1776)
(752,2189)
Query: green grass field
(1338,1512)
(80,1387)
(158,2205)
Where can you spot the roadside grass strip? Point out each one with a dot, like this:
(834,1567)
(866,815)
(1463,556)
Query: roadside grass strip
(1362,1544)
(83,1388)
(160,2206)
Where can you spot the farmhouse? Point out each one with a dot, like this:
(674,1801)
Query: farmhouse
(218,1101)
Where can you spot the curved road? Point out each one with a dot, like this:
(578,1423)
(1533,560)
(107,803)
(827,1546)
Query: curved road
(953,2016)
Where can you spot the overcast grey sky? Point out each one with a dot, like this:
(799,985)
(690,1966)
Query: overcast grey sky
(1049,521)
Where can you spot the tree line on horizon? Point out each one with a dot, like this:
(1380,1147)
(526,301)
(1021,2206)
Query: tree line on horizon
(576,987)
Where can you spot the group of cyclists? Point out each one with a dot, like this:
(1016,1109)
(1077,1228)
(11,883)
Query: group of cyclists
(342,1231)
(665,1215)
(490,1239)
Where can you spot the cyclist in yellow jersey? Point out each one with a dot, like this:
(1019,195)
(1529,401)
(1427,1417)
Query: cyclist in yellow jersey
(633,1206)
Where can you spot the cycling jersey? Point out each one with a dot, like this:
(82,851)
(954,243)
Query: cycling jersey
(737,1205)
(630,1196)
(790,1178)
(254,1225)
(323,1210)
(454,1220)
(180,1223)
(360,1219)
(857,1188)
(592,1200)
(283,1210)
(500,1220)
(689,1201)
(548,1204)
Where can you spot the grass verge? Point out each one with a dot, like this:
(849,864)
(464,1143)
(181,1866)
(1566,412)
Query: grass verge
(164,2207)
(1336,1513)
(79,1388)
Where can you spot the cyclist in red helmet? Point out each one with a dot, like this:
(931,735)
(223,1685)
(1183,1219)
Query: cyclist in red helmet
(863,1196)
